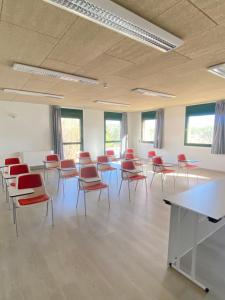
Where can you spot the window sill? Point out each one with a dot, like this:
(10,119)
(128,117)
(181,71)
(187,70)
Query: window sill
(198,145)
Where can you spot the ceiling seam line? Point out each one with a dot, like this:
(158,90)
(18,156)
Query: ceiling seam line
(205,14)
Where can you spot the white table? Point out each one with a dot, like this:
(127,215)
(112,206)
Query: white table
(195,215)
(17,193)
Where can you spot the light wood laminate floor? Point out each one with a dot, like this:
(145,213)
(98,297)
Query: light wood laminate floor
(116,254)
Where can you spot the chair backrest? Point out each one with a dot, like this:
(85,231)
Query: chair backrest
(84,155)
(157,160)
(31,181)
(181,157)
(110,152)
(128,165)
(151,154)
(52,157)
(88,172)
(129,156)
(103,159)
(12,161)
(19,169)
(130,150)
(67,163)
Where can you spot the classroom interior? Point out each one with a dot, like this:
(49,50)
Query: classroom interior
(112,149)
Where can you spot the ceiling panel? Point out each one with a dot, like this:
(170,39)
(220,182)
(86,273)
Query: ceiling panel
(184,20)
(48,36)
(22,45)
(214,9)
(153,64)
(60,66)
(130,50)
(204,43)
(38,16)
(147,9)
(83,42)
(103,65)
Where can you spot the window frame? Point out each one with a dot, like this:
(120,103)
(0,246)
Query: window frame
(197,110)
(112,116)
(74,114)
(147,115)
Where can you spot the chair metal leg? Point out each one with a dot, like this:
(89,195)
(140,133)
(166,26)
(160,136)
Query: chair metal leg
(63,187)
(128,188)
(136,185)
(162,181)
(85,208)
(52,212)
(78,193)
(15,218)
(174,182)
(120,186)
(58,185)
(146,187)
(99,196)
(108,196)
(46,208)
(153,176)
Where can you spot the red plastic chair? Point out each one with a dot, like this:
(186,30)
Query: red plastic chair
(89,181)
(103,164)
(131,174)
(5,170)
(51,162)
(151,154)
(85,158)
(31,181)
(67,169)
(159,167)
(130,156)
(111,155)
(15,170)
(130,150)
(183,163)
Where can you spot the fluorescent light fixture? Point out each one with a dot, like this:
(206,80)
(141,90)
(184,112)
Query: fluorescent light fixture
(146,92)
(218,70)
(54,74)
(117,18)
(32,93)
(111,103)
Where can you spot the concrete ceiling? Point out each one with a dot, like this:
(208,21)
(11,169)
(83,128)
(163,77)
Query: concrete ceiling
(36,33)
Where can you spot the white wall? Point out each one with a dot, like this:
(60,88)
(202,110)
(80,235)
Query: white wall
(93,126)
(174,141)
(23,127)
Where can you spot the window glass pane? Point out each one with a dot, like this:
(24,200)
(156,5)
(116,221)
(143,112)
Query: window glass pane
(200,129)
(71,130)
(148,130)
(112,130)
(71,151)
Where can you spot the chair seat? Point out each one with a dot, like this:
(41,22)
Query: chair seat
(70,175)
(188,166)
(107,168)
(166,171)
(33,200)
(137,177)
(97,186)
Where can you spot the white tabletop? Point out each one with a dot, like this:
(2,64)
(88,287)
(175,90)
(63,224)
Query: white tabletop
(132,171)
(89,180)
(22,192)
(207,199)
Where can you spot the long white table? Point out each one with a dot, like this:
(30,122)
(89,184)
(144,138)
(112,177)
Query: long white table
(195,215)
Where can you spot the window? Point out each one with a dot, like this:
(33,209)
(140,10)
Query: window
(148,126)
(72,132)
(113,132)
(199,125)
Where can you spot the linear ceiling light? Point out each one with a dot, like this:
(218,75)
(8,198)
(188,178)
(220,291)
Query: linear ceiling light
(32,93)
(218,70)
(118,18)
(146,92)
(54,74)
(111,103)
